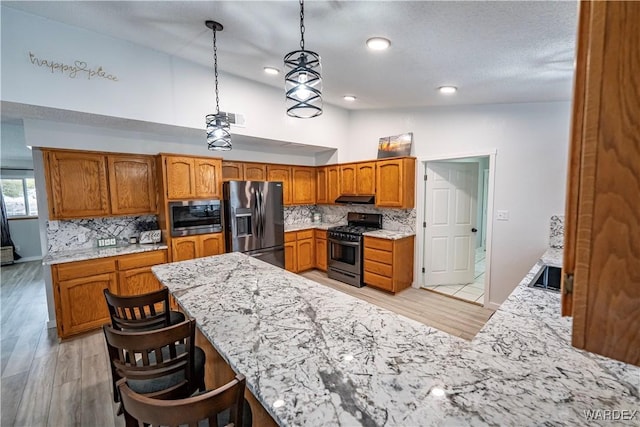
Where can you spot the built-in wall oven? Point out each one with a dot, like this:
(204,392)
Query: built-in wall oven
(345,247)
(195,217)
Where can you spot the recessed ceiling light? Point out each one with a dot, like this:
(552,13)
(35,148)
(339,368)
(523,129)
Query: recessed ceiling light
(271,70)
(378,43)
(448,90)
(349,98)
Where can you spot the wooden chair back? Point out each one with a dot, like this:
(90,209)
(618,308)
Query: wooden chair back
(141,410)
(139,312)
(150,355)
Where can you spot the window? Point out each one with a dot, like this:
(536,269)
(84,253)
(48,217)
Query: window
(20,196)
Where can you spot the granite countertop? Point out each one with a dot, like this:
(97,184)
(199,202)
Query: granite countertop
(93,253)
(310,226)
(328,358)
(389,234)
(382,234)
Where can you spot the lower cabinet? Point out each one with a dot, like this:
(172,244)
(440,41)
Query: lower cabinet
(78,288)
(388,264)
(321,249)
(299,253)
(190,247)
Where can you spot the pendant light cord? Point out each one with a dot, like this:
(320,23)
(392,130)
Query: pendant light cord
(302,24)
(215,68)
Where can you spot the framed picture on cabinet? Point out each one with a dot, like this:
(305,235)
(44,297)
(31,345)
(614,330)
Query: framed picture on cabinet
(395,146)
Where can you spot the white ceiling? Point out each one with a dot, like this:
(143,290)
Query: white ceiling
(495,52)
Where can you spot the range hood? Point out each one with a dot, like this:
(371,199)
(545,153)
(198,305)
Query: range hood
(356,200)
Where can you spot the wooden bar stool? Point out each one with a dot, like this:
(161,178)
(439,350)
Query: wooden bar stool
(141,312)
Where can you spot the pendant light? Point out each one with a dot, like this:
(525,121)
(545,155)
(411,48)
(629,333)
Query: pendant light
(218,135)
(303,83)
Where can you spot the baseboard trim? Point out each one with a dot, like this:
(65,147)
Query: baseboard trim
(27,259)
(51,324)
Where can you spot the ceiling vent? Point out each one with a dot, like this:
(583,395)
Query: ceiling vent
(235,119)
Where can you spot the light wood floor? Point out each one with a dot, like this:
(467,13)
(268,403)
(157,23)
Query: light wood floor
(460,318)
(48,383)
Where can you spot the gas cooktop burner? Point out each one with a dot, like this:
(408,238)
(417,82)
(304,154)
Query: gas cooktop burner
(353,229)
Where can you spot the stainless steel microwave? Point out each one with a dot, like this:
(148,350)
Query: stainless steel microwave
(195,217)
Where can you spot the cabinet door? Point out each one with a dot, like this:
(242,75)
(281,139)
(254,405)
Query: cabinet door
(254,172)
(304,185)
(208,178)
(180,177)
(77,184)
(184,248)
(322,196)
(132,184)
(321,254)
(82,305)
(283,174)
(333,184)
(138,281)
(232,171)
(211,244)
(305,254)
(366,178)
(290,262)
(395,183)
(348,179)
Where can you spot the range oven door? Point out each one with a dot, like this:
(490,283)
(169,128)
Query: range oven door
(345,256)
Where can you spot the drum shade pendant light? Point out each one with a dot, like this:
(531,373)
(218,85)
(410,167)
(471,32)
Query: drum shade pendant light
(303,83)
(218,136)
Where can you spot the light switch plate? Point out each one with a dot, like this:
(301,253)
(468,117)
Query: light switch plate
(502,215)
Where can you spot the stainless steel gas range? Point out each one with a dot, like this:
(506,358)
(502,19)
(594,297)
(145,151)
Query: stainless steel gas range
(345,247)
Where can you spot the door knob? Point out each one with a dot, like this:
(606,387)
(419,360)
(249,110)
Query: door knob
(474,230)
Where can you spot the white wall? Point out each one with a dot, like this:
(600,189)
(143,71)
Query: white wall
(26,238)
(151,86)
(532,144)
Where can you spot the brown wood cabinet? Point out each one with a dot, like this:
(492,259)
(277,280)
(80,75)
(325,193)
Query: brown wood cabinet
(333,183)
(348,179)
(602,222)
(290,250)
(232,171)
(247,171)
(320,237)
(388,264)
(299,253)
(395,183)
(134,272)
(254,171)
(190,247)
(76,184)
(132,184)
(283,174)
(366,178)
(78,294)
(192,177)
(304,185)
(322,196)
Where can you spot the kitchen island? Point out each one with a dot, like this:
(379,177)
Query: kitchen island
(314,356)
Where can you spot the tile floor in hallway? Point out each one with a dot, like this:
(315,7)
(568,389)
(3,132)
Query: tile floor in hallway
(472,291)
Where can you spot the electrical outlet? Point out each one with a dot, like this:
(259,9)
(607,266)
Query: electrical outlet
(502,215)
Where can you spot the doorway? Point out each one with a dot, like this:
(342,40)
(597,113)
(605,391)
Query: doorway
(456,230)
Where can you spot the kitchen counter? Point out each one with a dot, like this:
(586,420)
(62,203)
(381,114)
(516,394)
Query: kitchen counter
(381,234)
(310,226)
(389,234)
(85,254)
(333,359)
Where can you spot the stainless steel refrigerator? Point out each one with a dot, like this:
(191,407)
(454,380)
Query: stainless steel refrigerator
(254,219)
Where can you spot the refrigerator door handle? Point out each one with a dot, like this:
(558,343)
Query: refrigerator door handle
(262,215)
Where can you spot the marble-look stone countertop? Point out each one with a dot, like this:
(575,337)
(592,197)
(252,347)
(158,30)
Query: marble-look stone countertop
(389,234)
(310,226)
(314,356)
(85,254)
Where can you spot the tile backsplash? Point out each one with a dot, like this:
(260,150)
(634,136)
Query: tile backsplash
(392,219)
(556,234)
(66,235)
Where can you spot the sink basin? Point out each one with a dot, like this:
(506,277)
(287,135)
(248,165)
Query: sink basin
(548,278)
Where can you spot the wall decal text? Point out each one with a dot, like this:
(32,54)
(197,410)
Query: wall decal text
(78,69)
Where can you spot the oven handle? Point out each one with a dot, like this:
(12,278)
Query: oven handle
(342,242)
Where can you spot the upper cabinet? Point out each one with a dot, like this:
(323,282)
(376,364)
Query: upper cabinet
(244,171)
(88,184)
(358,179)
(322,197)
(304,185)
(132,183)
(232,171)
(281,173)
(348,179)
(334,189)
(193,177)
(254,172)
(77,184)
(395,183)
(601,273)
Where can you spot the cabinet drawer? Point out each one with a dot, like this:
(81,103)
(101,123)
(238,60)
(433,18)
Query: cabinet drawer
(378,268)
(290,237)
(145,259)
(306,234)
(383,244)
(85,268)
(320,234)
(378,281)
(378,255)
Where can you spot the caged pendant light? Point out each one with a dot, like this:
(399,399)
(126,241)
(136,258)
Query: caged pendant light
(218,135)
(303,82)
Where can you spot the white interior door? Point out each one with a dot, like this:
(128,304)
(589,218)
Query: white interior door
(450,210)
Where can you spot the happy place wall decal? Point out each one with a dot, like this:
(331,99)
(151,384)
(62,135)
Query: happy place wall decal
(79,68)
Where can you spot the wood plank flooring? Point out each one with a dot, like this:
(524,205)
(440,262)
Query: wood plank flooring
(45,382)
